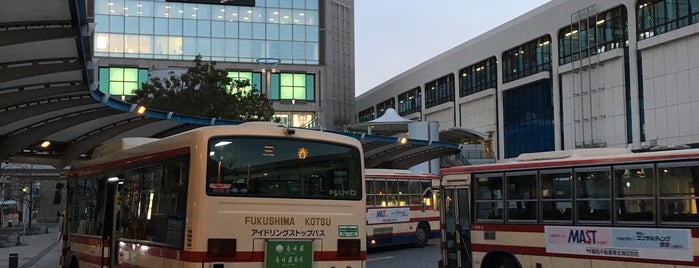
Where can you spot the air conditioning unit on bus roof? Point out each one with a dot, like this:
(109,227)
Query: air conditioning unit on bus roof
(118,145)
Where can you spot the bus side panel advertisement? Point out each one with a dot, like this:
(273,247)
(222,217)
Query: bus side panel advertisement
(637,243)
(388,215)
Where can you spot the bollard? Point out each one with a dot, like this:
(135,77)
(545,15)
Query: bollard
(14,260)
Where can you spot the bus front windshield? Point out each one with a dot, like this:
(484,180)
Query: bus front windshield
(283,168)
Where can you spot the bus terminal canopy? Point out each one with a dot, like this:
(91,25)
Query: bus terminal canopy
(52,113)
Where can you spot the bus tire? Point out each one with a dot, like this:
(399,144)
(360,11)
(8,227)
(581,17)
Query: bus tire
(74,263)
(422,235)
(500,259)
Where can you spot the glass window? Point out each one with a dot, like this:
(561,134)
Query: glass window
(146,25)
(116,24)
(204,46)
(189,47)
(231,29)
(593,187)
(86,194)
(152,197)
(528,119)
(659,16)
(478,77)
(556,196)
(189,27)
(527,59)
(488,197)
(634,193)
(389,103)
(521,196)
(175,26)
(218,29)
(258,31)
(678,192)
(439,91)
(203,28)
(409,102)
(245,29)
(366,115)
(283,168)
(161,26)
(299,33)
(101,23)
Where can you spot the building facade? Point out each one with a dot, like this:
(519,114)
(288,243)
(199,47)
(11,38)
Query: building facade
(568,74)
(300,53)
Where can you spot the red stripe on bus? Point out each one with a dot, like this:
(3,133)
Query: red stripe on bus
(412,220)
(129,161)
(88,240)
(541,251)
(240,256)
(93,259)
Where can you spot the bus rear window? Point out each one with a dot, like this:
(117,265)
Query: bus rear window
(283,168)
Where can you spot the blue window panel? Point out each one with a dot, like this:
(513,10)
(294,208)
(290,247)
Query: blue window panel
(161,26)
(189,47)
(258,31)
(131,25)
(104,80)
(258,49)
(204,47)
(116,24)
(231,48)
(146,25)
(189,28)
(256,80)
(101,23)
(231,29)
(274,86)
(142,76)
(203,28)
(218,47)
(245,30)
(310,87)
(217,29)
(175,27)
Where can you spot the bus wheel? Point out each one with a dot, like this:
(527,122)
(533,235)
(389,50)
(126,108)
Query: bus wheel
(422,235)
(74,263)
(507,262)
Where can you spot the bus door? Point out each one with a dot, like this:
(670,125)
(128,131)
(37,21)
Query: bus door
(457,226)
(109,231)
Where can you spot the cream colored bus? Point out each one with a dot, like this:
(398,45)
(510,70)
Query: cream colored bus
(252,195)
(401,208)
(589,208)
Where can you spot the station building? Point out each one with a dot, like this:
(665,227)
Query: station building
(298,52)
(568,74)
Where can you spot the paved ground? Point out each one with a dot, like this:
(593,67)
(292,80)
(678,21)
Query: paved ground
(35,251)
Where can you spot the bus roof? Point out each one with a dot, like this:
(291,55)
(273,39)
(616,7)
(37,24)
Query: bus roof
(577,157)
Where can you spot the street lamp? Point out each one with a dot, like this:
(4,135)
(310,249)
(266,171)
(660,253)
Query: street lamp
(269,65)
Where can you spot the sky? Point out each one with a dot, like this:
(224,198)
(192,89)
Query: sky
(392,36)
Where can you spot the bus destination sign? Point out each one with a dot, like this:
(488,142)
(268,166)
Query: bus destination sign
(248,3)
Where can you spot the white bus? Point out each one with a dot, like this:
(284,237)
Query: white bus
(588,208)
(253,195)
(401,208)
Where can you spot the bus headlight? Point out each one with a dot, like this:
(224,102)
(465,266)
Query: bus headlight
(348,248)
(220,248)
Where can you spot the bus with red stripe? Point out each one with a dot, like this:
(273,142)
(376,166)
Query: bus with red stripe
(401,208)
(252,195)
(591,208)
